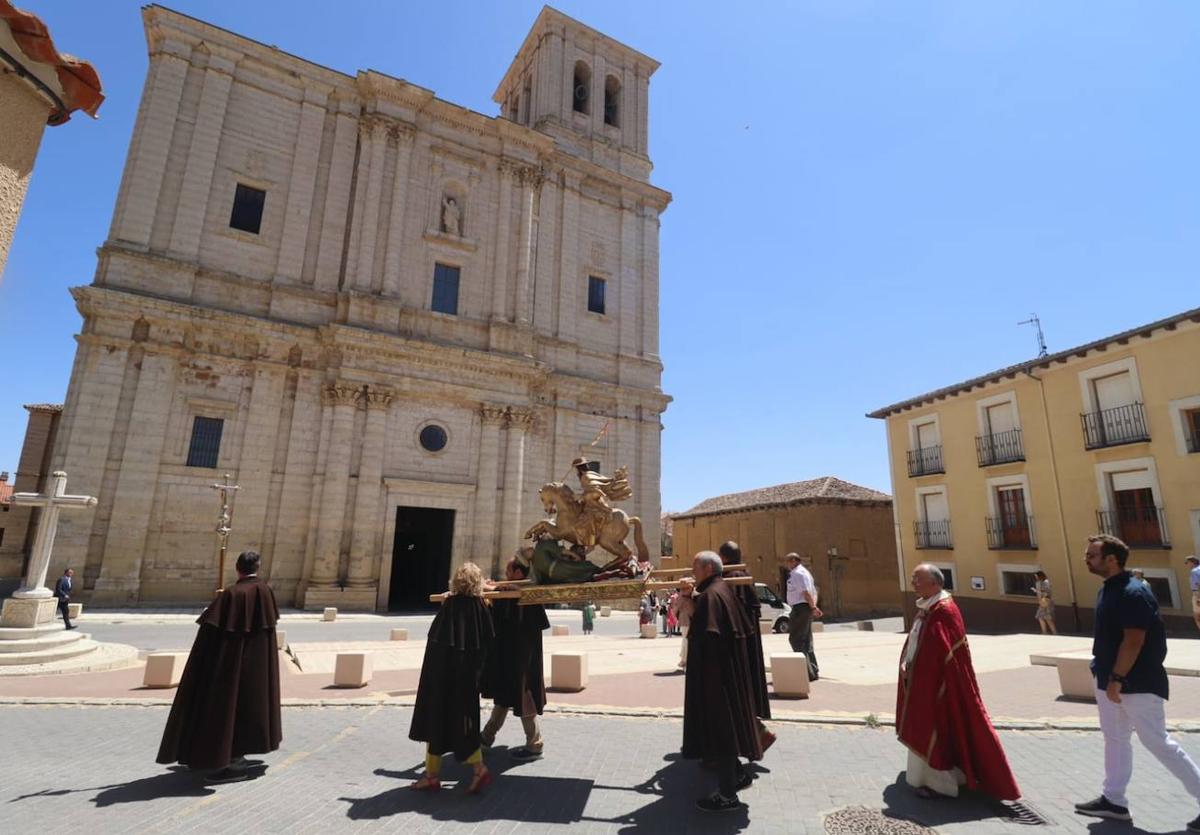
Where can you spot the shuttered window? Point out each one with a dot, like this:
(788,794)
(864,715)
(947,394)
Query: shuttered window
(206,442)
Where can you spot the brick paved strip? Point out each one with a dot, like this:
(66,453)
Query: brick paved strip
(83,768)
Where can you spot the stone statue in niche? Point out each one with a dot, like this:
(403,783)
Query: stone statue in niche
(451,217)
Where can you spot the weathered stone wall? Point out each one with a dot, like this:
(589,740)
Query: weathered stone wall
(22,121)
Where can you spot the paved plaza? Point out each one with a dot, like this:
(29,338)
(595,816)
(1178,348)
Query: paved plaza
(345,768)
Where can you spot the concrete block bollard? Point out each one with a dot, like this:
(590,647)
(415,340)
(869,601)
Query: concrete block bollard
(74,611)
(399,635)
(568,671)
(818,626)
(605,612)
(281,639)
(1075,678)
(352,669)
(789,674)
(649,630)
(766,626)
(560,630)
(866,626)
(330,614)
(164,669)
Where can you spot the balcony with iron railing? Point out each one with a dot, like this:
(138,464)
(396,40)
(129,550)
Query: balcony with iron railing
(932,534)
(999,448)
(925,461)
(1143,527)
(1010,533)
(1113,427)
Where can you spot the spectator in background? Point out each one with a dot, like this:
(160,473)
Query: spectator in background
(1193,565)
(802,597)
(684,605)
(1045,601)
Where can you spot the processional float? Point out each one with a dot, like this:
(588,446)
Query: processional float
(557,558)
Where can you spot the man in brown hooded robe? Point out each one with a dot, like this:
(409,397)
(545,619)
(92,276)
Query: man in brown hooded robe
(227,704)
(731,554)
(719,721)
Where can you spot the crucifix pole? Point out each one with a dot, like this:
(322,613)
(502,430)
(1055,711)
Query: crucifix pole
(224,526)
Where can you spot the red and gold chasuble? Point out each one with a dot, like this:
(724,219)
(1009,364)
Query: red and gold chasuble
(939,713)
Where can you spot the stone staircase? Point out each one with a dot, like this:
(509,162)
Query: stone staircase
(52,648)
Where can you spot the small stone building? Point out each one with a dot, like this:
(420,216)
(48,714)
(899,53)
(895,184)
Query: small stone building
(842,532)
(39,86)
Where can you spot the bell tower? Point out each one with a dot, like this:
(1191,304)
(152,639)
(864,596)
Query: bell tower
(585,89)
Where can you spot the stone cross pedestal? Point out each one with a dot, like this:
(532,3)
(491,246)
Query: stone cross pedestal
(53,502)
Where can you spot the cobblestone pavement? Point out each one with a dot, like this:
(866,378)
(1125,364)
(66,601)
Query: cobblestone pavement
(91,769)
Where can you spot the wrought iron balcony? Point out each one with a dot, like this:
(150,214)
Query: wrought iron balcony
(932,534)
(925,461)
(999,448)
(1011,534)
(1113,427)
(1144,527)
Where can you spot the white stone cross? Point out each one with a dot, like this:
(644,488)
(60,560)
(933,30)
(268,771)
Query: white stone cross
(55,500)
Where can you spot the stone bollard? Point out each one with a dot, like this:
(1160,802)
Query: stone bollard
(818,626)
(568,671)
(281,639)
(866,626)
(74,611)
(789,674)
(650,630)
(560,630)
(605,612)
(399,635)
(1075,678)
(766,626)
(330,614)
(163,669)
(353,669)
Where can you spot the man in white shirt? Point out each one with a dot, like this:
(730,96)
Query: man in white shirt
(1193,565)
(802,597)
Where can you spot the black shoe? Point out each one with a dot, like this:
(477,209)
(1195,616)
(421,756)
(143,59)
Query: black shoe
(716,803)
(745,780)
(1102,807)
(228,775)
(1194,825)
(525,754)
(69,626)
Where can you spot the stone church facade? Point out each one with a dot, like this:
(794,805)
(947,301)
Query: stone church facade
(389,318)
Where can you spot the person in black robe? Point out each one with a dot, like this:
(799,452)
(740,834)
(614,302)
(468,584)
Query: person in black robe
(719,721)
(227,704)
(731,554)
(446,714)
(512,675)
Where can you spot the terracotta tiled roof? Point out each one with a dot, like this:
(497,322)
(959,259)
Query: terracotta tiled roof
(815,489)
(6,490)
(79,81)
(43,407)
(1144,331)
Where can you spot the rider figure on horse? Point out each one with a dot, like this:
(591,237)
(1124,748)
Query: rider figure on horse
(598,493)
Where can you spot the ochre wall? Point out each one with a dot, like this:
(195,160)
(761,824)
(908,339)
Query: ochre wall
(862,533)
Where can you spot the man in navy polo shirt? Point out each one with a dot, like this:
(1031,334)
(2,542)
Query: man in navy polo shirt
(1128,651)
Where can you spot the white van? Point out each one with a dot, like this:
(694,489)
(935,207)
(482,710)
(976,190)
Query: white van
(773,607)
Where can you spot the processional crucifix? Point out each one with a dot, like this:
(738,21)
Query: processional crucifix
(52,502)
(223,527)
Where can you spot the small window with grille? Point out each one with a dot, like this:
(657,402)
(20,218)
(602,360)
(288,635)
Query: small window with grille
(596,288)
(247,211)
(206,442)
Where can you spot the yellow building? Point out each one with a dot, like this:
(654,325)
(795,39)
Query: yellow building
(842,532)
(998,476)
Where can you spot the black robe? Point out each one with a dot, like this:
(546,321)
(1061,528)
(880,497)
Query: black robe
(227,704)
(446,715)
(719,718)
(758,666)
(512,675)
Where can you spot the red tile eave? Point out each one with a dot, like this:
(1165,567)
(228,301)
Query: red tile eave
(79,80)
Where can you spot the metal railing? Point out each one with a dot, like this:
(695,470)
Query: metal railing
(932,534)
(999,448)
(1112,427)
(1138,528)
(925,461)
(1009,533)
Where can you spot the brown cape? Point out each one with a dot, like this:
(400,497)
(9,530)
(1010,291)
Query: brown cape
(513,675)
(446,714)
(718,701)
(758,667)
(227,704)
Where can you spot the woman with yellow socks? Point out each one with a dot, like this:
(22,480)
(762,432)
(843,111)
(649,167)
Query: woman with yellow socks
(446,715)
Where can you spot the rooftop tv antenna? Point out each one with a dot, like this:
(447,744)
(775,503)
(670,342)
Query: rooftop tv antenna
(1037,323)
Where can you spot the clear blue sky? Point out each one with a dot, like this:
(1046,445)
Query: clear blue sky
(868,195)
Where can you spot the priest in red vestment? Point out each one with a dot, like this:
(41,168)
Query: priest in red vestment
(940,716)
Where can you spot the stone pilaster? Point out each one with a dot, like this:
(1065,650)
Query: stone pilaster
(341,398)
(140,184)
(531,181)
(487,487)
(285,563)
(202,154)
(373,136)
(363,571)
(337,197)
(507,172)
(255,462)
(571,281)
(518,423)
(402,137)
(628,296)
(301,184)
(650,291)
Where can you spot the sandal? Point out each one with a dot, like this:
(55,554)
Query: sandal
(427,783)
(481,779)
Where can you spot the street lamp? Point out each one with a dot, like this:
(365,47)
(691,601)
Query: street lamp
(835,577)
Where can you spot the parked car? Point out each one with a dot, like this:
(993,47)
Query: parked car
(773,607)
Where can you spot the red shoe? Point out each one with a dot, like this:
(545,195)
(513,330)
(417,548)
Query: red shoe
(426,784)
(767,739)
(481,780)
